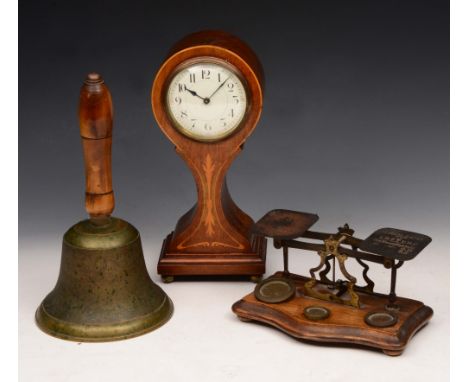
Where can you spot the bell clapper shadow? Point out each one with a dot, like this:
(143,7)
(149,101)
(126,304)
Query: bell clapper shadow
(103,292)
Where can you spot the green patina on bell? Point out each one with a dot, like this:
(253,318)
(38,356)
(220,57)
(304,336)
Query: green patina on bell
(103,292)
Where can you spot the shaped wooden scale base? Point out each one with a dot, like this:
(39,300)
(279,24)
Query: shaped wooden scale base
(345,324)
(208,264)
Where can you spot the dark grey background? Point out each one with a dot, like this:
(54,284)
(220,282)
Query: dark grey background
(355,123)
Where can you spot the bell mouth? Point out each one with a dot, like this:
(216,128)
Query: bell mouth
(80,332)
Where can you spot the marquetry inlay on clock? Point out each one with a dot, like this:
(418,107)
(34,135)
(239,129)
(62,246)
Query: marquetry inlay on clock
(207,99)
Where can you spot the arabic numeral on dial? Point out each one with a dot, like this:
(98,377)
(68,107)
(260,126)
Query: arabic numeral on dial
(236,98)
(181,88)
(193,122)
(178,100)
(230,87)
(207,127)
(183,114)
(223,122)
(205,74)
(232,113)
(219,77)
(192,77)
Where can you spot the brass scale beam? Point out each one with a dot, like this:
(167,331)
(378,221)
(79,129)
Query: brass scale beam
(346,239)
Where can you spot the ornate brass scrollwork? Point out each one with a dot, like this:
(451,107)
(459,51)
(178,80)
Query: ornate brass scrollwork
(331,250)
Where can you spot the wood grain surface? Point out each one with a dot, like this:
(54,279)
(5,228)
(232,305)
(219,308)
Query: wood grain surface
(215,228)
(345,324)
(96,117)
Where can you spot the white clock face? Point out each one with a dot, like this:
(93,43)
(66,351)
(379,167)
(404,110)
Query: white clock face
(207,101)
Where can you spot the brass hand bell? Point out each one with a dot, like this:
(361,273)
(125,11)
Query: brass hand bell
(103,292)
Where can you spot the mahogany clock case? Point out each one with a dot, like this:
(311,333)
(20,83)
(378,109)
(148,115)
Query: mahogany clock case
(213,238)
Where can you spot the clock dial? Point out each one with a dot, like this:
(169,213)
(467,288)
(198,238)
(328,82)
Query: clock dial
(207,101)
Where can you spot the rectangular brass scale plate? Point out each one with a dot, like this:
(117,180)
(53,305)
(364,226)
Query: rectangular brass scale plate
(345,324)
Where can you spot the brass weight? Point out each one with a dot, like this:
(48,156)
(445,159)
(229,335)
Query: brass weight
(103,292)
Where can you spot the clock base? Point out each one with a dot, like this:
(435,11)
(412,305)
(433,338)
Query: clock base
(250,264)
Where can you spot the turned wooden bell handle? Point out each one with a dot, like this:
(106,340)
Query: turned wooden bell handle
(96,114)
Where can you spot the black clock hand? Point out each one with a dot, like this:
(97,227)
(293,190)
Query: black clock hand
(219,87)
(194,93)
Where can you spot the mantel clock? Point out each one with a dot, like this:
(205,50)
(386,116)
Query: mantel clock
(207,99)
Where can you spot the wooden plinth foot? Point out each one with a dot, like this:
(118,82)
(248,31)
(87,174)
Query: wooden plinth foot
(167,279)
(392,353)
